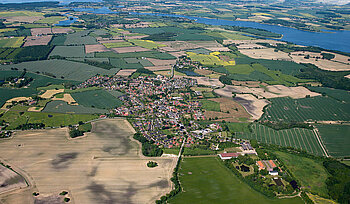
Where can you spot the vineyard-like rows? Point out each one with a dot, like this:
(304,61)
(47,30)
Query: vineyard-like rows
(299,138)
(307,109)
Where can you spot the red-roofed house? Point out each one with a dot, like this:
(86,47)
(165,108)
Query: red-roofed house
(224,156)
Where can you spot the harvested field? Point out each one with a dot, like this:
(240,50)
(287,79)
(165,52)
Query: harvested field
(35,109)
(207,44)
(10,180)
(178,54)
(249,46)
(50,93)
(268,53)
(110,41)
(251,104)
(208,81)
(129,49)
(67,98)
(251,84)
(61,30)
(299,57)
(272,91)
(178,45)
(24,19)
(98,168)
(126,72)
(231,111)
(218,49)
(37,40)
(95,48)
(40,31)
(158,62)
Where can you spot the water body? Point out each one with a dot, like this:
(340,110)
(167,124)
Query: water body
(69,21)
(334,40)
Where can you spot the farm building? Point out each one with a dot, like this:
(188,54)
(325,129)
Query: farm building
(225,156)
(273,173)
(266,164)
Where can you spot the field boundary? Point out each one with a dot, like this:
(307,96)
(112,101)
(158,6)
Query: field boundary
(319,139)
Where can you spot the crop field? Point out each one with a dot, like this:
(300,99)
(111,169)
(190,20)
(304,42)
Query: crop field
(207,180)
(210,105)
(80,38)
(309,173)
(37,40)
(97,99)
(240,69)
(49,119)
(143,62)
(121,63)
(62,107)
(148,44)
(74,71)
(338,94)
(95,48)
(299,138)
(58,40)
(12,42)
(51,19)
(99,168)
(117,44)
(150,54)
(70,51)
(307,109)
(336,139)
(211,59)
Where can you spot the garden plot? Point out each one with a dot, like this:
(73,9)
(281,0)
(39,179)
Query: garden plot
(98,168)
(268,53)
(95,48)
(251,104)
(129,49)
(37,40)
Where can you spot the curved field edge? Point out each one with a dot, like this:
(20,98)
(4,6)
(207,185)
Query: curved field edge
(206,180)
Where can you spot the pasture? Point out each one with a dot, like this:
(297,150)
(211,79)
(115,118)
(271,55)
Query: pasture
(12,42)
(80,38)
(307,109)
(148,44)
(336,139)
(207,180)
(97,99)
(74,71)
(88,167)
(298,138)
(309,173)
(210,105)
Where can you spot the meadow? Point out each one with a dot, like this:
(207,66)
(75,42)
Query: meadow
(207,180)
(307,109)
(123,64)
(210,105)
(117,44)
(148,44)
(12,42)
(97,99)
(80,38)
(336,139)
(298,138)
(51,20)
(309,173)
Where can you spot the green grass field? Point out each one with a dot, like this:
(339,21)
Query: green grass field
(148,44)
(118,44)
(74,71)
(171,151)
(197,151)
(299,138)
(143,62)
(97,99)
(307,109)
(51,19)
(49,119)
(210,105)
(240,69)
(310,173)
(11,42)
(70,51)
(336,139)
(80,38)
(207,180)
(122,64)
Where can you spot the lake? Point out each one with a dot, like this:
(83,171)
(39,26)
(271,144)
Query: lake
(333,40)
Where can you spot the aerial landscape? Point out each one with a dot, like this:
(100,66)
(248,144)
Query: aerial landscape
(182,101)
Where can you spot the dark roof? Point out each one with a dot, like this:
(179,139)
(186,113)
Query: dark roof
(278,182)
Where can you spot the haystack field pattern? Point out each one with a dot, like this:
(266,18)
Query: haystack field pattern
(103,167)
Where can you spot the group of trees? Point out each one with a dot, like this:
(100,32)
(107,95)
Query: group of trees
(148,148)
(29,126)
(280,125)
(225,80)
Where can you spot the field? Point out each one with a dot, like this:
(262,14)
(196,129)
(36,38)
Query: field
(51,92)
(307,109)
(37,40)
(118,44)
(299,138)
(148,44)
(268,53)
(129,49)
(206,180)
(12,42)
(80,38)
(309,173)
(143,62)
(51,19)
(97,99)
(98,168)
(95,48)
(210,105)
(338,94)
(10,180)
(61,68)
(211,59)
(69,51)
(335,138)
(58,106)
(147,54)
